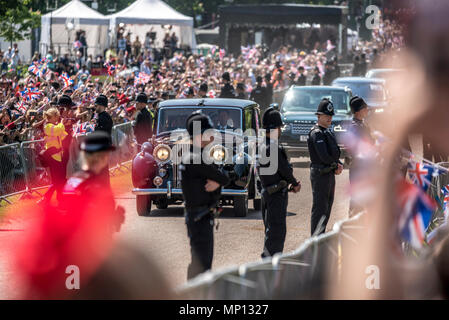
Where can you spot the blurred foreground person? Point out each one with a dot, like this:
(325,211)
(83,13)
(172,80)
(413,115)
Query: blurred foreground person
(325,164)
(69,252)
(383,264)
(201,188)
(359,131)
(86,188)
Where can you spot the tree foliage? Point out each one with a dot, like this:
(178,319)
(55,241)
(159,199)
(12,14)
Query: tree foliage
(17,20)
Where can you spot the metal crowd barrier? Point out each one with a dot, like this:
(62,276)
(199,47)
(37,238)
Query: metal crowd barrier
(21,172)
(301,274)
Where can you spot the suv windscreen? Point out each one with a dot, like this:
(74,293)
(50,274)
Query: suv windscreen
(175,118)
(369,91)
(305,99)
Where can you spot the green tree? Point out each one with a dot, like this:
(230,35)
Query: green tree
(17,21)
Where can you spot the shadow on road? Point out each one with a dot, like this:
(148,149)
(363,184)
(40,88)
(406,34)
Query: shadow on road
(228,213)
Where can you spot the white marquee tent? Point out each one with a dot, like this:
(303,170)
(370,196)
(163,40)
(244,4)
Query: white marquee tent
(54,28)
(142,13)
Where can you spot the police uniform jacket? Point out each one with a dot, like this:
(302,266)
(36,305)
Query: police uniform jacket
(284,168)
(104,122)
(323,147)
(259,95)
(193,179)
(227,91)
(143,127)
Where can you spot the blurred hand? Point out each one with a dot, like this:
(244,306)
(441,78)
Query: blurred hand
(297,188)
(211,185)
(339,169)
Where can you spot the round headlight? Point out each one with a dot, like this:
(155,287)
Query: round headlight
(162,153)
(157,181)
(218,153)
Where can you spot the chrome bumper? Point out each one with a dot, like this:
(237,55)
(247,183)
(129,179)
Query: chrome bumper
(176,191)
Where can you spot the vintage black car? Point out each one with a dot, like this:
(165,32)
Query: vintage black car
(298,112)
(155,172)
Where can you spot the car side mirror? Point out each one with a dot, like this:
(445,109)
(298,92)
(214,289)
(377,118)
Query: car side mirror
(275,106)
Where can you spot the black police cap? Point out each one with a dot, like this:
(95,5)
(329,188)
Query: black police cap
(65,101)
(357,104)
(204,87)
(272,119)
(142,98)
(259,79)
(102,100)
(326,107)
(205,122)
(97,141)
(226,76)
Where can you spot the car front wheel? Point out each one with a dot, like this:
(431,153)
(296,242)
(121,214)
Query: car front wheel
(143,204)
(240,206)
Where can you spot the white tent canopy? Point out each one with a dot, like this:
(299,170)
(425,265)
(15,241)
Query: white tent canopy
(82,17)
(142,13)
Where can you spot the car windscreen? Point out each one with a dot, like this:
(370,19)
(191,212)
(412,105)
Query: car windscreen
(174,118)
(304,99)
(367,90)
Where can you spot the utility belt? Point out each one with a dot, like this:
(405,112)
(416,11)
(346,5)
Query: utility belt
(199,213)
(324,169)
(280,186)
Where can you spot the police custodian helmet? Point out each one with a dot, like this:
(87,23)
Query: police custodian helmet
(326,107)
(272,119)
(205,122)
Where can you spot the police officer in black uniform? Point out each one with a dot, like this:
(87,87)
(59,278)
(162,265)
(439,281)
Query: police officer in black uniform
(143,126)
(85,192)
(276,174)
(104,120)
(358,130)
(104,123)
(325,164)
(227,91)
(259,94)
(201,189)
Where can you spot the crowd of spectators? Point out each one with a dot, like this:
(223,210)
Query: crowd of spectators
(175,74)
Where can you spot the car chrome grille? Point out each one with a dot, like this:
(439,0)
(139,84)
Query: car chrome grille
(301,128)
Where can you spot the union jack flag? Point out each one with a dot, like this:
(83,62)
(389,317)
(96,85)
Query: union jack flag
(421,174)
(221,53)
(111,68)
(142,78)
(416,212)
(64,77)
(34,69)
(21,107)
(433,233)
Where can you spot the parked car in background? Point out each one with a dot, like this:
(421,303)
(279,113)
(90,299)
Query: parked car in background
(298,112)
(155,172)
(372,90)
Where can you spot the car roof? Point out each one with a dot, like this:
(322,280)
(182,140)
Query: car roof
(359,80)
(318,87)
(207,102)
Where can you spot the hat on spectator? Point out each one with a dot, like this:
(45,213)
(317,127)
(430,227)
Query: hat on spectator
(65,101)
(102,100)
